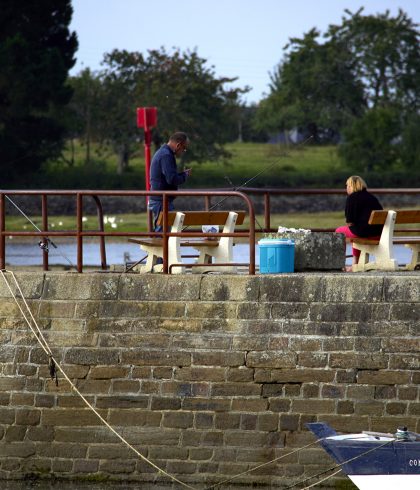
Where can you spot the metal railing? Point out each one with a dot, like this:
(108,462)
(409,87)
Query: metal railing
(45,233)
(268,193)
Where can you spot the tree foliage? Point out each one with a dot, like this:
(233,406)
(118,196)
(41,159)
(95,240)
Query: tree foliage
(371,142)
(36,52)
(362,80)
(314,87)
(188,95)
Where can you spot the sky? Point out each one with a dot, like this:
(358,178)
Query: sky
(238,38)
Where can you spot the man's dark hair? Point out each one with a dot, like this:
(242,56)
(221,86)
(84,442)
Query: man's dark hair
(179,137)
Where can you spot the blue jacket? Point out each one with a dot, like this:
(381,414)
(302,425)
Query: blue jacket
(164,175)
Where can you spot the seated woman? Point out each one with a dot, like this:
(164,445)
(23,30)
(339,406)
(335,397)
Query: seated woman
(360,203)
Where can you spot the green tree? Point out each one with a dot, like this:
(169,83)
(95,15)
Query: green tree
(366,62)
(314,87)
(36,53)
(410,143)
(84,109)
(371,142)
(386,54)
(187,93)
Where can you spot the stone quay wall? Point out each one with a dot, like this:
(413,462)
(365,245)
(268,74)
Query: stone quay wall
(205,375)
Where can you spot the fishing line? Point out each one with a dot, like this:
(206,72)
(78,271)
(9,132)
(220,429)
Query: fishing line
(43,244)
(268,167)
(265,169)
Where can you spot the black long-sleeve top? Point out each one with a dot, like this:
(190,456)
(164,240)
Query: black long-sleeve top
(359,205)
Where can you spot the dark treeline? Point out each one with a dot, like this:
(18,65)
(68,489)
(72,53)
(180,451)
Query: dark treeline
(357,86)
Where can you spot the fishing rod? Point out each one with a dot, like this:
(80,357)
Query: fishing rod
(265,169)
(46,241)
(268,167)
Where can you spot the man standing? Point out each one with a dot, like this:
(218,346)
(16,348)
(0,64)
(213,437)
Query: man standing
(164,175)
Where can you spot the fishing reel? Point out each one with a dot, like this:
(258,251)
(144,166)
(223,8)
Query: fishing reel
(45,244)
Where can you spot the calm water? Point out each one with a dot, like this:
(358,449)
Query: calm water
(118,253)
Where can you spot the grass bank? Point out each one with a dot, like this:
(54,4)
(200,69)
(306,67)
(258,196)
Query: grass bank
(137,222)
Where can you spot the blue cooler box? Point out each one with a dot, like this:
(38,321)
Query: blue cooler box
(277,255)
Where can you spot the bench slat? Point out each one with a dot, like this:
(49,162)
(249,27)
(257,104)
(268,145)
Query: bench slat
(203,217)
(403,216)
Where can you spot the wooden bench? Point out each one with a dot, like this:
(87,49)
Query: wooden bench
(219,249)
(383,249)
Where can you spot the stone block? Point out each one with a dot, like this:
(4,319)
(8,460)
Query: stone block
(268,422)
(320,251)
(85,466)
(168,403)
(122,401)
(205,404)
(271,359)
(204,421)
(249,404)
(26,416)
(302,375)
(14,433)
(119,466)
(408,312)
(108,372)
(200,373)
(289,422)
(310,391)
(217,310)
(140,357)
(359,360)
(92,356)
(312,360)
(291,288)
(59,286)
(405,361)
(235,389)
(404,288)
(31,284)
(279,405)
(232,288)
(349,288)
(23,399)
(240,374)
(215,358)
(396,408)
(178,420)
(69,417)
(385,377)
(369,407)
(125,386)
(313,406)
(40,433)
(159,287)
(345,407)
(349,312)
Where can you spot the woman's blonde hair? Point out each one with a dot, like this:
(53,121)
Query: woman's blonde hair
(356,183)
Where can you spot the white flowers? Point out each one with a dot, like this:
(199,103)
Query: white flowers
(293,231)
(283,232)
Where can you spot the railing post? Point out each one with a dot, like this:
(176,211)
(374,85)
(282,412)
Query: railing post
(100,214)
(79,238)
(267,223)
(44,212)
(2,236)
(165,234)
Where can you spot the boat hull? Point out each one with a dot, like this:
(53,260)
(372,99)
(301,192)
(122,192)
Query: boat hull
(372,461)
(386,482)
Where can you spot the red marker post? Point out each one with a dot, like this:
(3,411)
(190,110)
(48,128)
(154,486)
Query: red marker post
(147,119)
